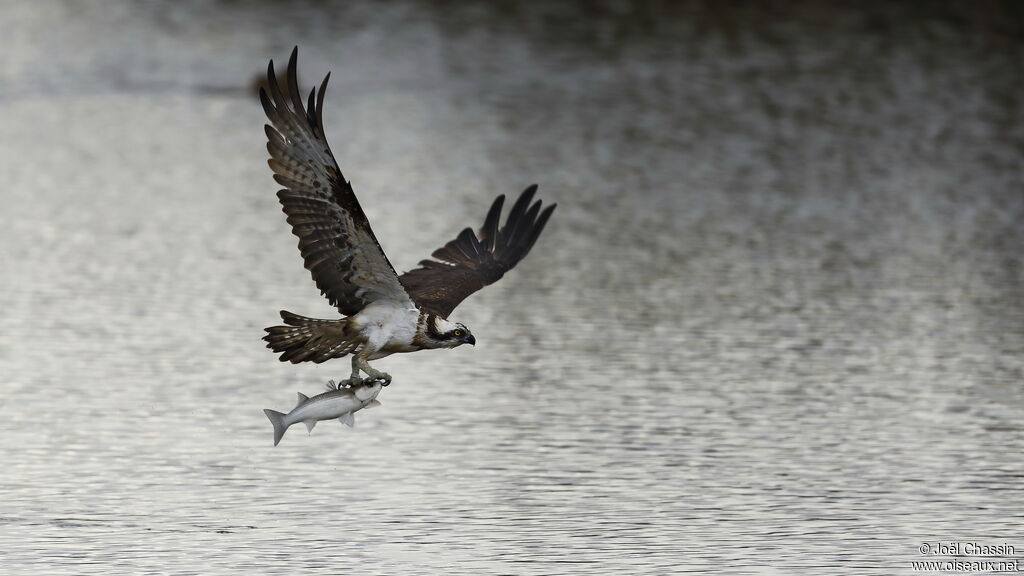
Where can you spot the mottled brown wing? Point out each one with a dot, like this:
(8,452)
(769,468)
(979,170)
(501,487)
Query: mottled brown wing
(472,261)
(335,238)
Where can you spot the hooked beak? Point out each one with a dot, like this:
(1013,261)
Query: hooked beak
(469,339)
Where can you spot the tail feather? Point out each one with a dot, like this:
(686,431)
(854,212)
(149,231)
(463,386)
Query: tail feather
(305,339)
(293,319)
(277,419)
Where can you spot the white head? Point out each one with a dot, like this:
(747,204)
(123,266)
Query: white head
(442,333)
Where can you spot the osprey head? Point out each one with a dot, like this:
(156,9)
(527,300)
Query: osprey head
(442,333)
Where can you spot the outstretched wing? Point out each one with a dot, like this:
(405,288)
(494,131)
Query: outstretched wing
(335,238)
(472,261)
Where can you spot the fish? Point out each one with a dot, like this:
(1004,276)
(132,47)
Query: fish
(337,403)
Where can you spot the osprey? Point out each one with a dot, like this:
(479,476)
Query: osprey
(384,313)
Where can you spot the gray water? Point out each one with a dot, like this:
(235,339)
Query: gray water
(776,325)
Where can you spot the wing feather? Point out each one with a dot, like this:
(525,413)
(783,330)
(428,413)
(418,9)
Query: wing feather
(336,241)
(471,261)
(490,228)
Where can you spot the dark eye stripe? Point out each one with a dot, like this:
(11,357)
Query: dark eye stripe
(432,328)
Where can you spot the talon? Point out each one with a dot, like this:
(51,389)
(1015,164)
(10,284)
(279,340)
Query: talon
(377,375)
(353,382)
(383,377)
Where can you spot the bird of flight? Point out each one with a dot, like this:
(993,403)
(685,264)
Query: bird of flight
(385,313)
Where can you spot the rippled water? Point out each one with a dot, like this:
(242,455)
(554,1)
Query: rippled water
(776,325)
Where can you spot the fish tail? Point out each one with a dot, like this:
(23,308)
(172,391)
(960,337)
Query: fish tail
(277,419)
(305,339)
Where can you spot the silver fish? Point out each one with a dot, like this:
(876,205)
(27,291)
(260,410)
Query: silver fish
(337,402)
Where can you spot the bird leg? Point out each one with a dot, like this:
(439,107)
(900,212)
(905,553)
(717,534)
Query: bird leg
(355,380)
(359,363)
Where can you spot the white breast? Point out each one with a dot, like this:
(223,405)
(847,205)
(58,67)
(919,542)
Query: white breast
(387,326)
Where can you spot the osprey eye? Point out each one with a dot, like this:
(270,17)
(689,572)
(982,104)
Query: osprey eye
(457,333)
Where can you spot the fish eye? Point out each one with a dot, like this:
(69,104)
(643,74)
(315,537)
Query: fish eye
(457,333)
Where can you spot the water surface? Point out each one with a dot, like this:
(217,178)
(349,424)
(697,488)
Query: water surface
(775,326)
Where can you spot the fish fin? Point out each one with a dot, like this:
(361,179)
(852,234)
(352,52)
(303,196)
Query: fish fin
(302,399)
(372,404)
(309,425)
(347,419)
(277,419)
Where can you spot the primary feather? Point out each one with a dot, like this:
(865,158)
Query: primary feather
(470,261)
